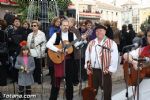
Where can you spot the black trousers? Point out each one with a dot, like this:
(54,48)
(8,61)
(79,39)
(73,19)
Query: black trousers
(38,70)
(51,68)
(3,69)
(83,70)
(13,72)
(3,75)
(107,86)
(24,90)
(75,72)
(69,83)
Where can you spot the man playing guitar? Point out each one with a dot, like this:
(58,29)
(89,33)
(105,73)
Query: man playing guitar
(56,39)
(142,52)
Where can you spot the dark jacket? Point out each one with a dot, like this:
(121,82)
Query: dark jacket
(124,39)
(109,32)
(130,36)
(25,34)
(14,38)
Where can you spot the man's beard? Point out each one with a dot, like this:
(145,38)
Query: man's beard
(65,30)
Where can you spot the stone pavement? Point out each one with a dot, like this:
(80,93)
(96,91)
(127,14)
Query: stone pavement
(118,85)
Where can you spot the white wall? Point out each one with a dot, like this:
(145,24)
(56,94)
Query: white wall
(3,8)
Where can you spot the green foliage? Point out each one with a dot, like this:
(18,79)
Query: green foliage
(51,15)
(148,20)
(24,4)
(22,9)
(63,4)
(23,13)
(145,24)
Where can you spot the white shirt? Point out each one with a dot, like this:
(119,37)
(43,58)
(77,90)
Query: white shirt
(64,36)
(96,62)
(135,53)
(39,50)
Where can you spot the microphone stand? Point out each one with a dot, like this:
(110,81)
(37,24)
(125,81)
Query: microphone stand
(13,59)
(126,80)
(102,85)
(127,92)
(64,70)
(41,70)
(102,98)
(64,64)
(80,79)
(13,66)
(138,78)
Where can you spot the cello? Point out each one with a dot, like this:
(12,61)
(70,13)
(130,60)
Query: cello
(89,92)
(130,74)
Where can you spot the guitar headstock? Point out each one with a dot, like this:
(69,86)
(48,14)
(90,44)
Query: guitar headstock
(89,31)
(86,34)
(89,64)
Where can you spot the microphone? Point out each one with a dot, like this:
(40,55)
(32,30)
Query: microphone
(145,59)
(133,45)
(109,49)
(40,43)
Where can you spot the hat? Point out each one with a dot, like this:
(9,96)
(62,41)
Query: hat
(100,27)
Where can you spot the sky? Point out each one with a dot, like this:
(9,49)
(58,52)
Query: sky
(145,3)
(142,3)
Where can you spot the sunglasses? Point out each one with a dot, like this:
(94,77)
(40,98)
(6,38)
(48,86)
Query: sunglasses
(33,25)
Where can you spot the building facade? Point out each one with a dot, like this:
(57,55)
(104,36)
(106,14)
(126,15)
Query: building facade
(144,13)
(97,11)
(7,5)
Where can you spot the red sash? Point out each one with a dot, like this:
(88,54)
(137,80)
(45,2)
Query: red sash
(145,51)
(59,70)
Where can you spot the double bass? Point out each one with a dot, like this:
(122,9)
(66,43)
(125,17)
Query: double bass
(89,92)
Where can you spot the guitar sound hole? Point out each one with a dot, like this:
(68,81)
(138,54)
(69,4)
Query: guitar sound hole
(57,56)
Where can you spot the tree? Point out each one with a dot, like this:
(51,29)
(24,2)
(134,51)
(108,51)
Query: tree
(24,4)
(63,4)
(145,24)
(22,8)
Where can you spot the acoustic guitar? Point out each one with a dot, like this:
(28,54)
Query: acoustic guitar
(56,57)
(131,75)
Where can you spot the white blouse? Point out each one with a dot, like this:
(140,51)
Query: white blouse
(39,43)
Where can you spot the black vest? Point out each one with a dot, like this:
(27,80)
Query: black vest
(70,38)
(58,38)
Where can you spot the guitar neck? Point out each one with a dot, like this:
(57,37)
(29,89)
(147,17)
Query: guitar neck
(90,80)
(72,43)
